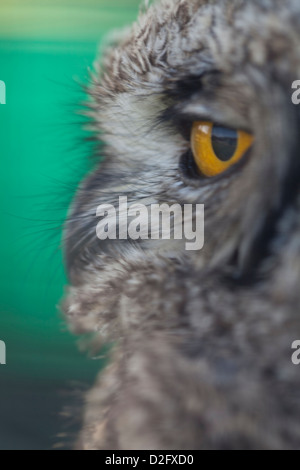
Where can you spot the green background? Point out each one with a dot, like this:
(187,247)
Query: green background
(46,48)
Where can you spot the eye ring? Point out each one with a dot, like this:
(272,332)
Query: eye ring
(216,148)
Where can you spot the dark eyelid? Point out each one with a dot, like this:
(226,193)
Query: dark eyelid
(183,122)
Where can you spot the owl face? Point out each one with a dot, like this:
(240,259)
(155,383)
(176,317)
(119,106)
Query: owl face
(193,106)
(187,66)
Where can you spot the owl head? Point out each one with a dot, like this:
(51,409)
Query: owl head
(189,82)
(193,105)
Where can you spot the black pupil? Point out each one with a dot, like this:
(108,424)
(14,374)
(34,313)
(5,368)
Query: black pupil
(224,142)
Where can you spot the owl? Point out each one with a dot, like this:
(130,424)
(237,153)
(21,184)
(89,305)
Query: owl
(192,105)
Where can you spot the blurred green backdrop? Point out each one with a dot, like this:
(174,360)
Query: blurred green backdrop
(46,48)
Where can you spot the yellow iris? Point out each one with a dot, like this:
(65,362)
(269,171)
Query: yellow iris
(208,142)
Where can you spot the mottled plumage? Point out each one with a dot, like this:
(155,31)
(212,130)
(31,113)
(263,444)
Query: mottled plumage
(202,341)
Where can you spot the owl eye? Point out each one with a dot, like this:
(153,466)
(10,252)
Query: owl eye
(216,148)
